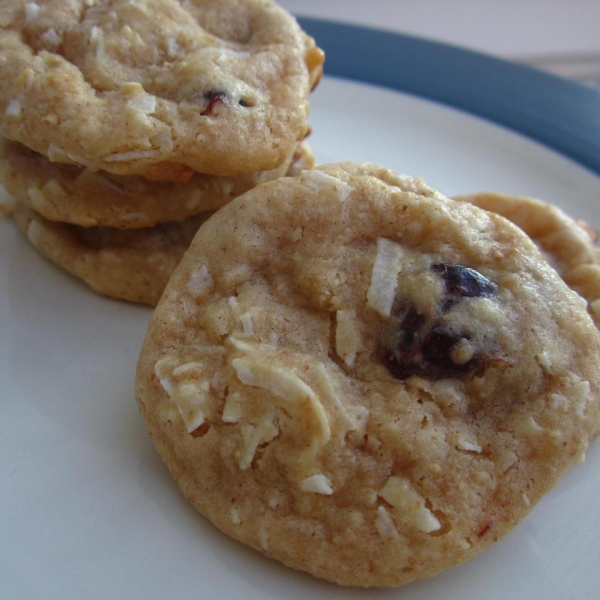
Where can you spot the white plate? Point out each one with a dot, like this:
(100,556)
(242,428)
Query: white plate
(87,509)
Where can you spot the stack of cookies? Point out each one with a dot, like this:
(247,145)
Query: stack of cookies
(127,123)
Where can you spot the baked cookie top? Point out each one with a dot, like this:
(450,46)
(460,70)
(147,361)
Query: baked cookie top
(156,87)
(133,265)
(364,379)
(568,245)
(84,197)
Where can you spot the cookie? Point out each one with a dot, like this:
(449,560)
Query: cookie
(132,265)
(366,380)
(568,245)
(156,87)
(70,194)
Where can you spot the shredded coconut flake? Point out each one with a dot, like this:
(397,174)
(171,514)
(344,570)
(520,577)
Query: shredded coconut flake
(317,484)
(543,359)
(173,48)
(133,155)
(13,109)
(263,537)
(469,446)
(247,323)
(32,10)
(145,103)
(282,383)
(384,523)
(200,283)
(275,500)
(426,521)
(255,370)
(407,501)
(318,181)
(384,276)
(35,231)
(130,217)
(51,38)
(37,198)
(347,336)
(97,38)
(163,369)
(235,516)
(580,396)
(163,139)
(53,187)
(232,411)
(254,435)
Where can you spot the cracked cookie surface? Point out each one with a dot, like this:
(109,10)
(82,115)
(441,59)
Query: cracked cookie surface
(158,88)
(268,386)
(69,194)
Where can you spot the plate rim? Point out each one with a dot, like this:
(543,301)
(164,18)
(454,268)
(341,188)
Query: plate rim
(558,113)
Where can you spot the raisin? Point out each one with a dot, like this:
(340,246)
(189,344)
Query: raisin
(424,344)
(214,99)
(425,350)
(437,355)
(464,282)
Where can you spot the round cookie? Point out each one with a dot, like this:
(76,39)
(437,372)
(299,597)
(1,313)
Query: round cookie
(568,245)
(133,265)
(70,194)
(158,88)
(356,375)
